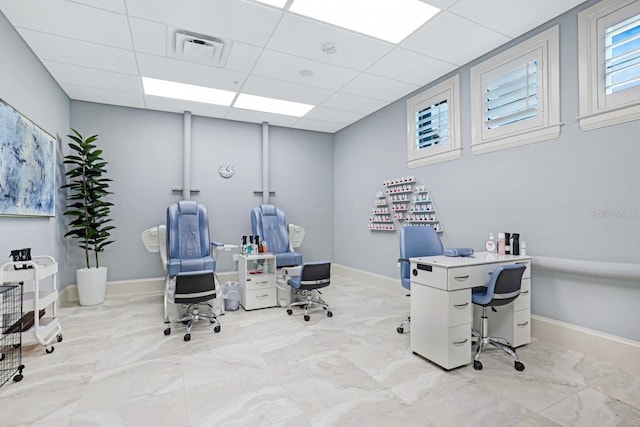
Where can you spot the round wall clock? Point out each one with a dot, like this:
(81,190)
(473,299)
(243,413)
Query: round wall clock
(226,170)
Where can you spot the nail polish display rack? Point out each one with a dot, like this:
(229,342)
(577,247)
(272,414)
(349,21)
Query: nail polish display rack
(403,201)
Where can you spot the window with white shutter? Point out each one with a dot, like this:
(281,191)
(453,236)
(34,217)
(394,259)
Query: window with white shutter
(515,95)
(433,122)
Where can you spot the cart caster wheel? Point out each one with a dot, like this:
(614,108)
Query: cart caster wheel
(519,366)
(59,338)
(18,378)
(216,329)
(329,314)
(306,317)
(49,349)
(289,311)
(16,346)
(167,331)
(400,330)
(187,337)
(184,322)
(477,365)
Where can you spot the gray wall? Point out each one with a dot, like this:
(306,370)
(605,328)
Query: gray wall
(27,86)
(145,154)
(547,191)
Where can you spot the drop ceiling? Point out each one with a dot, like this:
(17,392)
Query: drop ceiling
(99,50)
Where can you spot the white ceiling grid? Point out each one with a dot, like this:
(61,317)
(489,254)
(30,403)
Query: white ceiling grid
(98,51)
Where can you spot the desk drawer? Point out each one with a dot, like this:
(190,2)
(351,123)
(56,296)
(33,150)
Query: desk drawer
(460,308)
(521,328)
(460,278)
(260,298)
(260,281)
(523,301)
(458,346)
(433,276)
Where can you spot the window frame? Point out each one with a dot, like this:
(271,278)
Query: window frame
(597,109)
(449,91)
(543,47)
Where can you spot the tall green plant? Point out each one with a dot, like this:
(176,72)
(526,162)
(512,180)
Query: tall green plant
(87,207)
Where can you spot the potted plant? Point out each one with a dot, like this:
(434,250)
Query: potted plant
(88,212)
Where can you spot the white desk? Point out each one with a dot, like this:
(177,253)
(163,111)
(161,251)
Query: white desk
(442,311)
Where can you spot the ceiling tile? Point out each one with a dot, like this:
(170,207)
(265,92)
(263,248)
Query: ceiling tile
(440,4)
(416,68)
(317,125)
(468,42)
(264,86)
(242,57)
(304,37)
(377,87)
(226,19)
(61,49)
(149,37)
(286,67)
(512,17)
(180,106)
(112,5)
(332,115)
(102,96)
(354,103)
(72,20)
(259,117)
(187,72)
(91,77)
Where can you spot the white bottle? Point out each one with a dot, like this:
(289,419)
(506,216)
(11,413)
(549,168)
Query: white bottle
(501,243)
(523,248)
(490,245)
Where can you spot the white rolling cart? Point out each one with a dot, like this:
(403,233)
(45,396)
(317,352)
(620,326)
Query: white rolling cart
(42,296)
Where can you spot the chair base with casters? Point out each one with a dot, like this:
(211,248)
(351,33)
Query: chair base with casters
(503,288)
(484,339)
(191,290)
(313,276)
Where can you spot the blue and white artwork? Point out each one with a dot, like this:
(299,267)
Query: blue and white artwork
(27,165)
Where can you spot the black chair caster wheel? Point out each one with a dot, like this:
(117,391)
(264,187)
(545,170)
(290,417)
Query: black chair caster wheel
(167,331)
(17,378)
(400,330)
(306,317)
(519,366)
(59,337)
(477,365)
(216,329)
(289,311)
(49,349)
(329,314)
(187,337)
(185,322)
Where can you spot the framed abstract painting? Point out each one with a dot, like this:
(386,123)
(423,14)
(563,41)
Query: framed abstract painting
(27,166)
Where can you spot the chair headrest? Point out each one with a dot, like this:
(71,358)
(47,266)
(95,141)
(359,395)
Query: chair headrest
(187,207)
(269,210)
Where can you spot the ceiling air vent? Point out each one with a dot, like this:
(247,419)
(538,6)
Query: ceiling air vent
(199,48)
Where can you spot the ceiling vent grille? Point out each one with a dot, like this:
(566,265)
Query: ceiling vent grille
(199,48)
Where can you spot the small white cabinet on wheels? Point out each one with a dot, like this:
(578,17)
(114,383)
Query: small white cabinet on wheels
(257,274)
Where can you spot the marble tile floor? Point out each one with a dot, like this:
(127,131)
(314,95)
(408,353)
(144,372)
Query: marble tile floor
(265,368)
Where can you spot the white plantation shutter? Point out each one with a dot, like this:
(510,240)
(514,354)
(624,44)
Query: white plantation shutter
(432,125)
(622,44)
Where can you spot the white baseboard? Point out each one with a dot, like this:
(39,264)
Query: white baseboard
(617,350)
(69,295)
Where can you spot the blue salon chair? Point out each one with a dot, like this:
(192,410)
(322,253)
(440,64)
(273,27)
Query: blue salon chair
(191,279)
(503,287)
(314,276)
(415,241)
(268,222)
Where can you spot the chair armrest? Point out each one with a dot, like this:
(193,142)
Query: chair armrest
(403,260)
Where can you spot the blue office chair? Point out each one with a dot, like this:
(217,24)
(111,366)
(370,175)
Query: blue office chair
(313,276)
(268,222)
(415,241)
(503,288)
(191,279)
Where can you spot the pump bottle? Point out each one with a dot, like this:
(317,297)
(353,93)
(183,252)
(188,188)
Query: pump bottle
(490,245)
(501,244)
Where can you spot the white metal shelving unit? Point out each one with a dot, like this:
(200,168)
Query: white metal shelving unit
(46,329)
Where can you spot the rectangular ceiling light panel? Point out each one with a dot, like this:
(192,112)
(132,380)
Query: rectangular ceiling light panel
(272,105)
(388,20)
(187,92)
(276,3)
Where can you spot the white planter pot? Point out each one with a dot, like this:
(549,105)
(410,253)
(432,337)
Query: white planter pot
(92,285)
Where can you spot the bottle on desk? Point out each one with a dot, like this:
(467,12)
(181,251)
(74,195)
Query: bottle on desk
(490,245)
(501,244)
(515,243)
(507,243)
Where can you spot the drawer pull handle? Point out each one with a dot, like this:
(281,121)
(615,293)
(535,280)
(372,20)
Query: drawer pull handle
(524,292)
(522,325)
(461,342)
(461,305)
(262,296)
(462,277)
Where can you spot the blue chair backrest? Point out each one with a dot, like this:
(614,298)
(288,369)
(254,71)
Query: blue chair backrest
(504,285)
(417,241)
(268,222)
(187,230)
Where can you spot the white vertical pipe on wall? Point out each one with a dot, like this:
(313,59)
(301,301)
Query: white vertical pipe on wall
(186,179)
(265,162)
